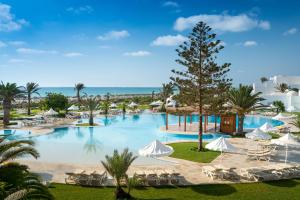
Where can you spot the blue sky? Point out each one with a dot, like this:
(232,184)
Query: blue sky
(132,43)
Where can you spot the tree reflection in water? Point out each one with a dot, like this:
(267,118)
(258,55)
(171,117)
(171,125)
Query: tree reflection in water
(92,144)
(79,134)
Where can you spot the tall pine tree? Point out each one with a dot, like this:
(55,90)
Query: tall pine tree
(202,75)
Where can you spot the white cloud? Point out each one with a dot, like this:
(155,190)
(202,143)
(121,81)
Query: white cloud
(35,51)
(171,4)
(291,31)
(114,35)
(169,40)
(137,53)
(7,20)
(82,9)
(2,44)
(223,22)
(73,54)
(250,43)
(15,60)
(17,43)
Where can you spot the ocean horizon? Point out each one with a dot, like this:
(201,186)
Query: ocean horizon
(70,91)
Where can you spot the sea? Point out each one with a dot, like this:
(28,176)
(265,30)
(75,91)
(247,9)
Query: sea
(70,91)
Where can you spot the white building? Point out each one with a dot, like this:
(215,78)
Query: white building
(291,99)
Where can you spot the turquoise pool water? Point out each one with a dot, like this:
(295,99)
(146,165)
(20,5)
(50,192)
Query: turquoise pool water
(90,145)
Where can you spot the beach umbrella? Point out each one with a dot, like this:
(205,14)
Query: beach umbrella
(113,105)
(132,104)
(266,127)
(221,144)
(287,140)
(156,103)
(51,112)
(258,134)
(73,108)
(156,149)
(291,109)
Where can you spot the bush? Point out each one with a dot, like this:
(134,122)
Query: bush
(56,101)
(279,106)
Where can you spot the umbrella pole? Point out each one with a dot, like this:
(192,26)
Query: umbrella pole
(286,153)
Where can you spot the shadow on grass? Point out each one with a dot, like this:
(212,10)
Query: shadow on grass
(283,183)
(214,190)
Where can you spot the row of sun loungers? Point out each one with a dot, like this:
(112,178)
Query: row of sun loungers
(83,179)
(152,178)
(265,173)
(160,177)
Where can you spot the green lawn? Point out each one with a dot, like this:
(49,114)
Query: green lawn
(188,151)
(281,190)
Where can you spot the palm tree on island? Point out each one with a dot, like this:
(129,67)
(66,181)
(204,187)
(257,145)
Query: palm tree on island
(79,87)
(242,102)
(91,103)
(8,93)
(30,89)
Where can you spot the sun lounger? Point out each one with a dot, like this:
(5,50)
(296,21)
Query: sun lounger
(98,179)
(212,172)
(152,179)
(176,179)
(71,176)
(164,179)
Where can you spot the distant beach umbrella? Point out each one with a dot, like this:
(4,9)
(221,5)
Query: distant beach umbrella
(258,134)
(132,105)
(113,105)
(73,108)
(266,127)
(51,112)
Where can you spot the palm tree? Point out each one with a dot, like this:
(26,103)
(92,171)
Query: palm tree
(124,106)
(263,79)
(8,93)
(282,87)
(92,104)
(17,181)
(117,166)
(243,101)
(78,88)
(30,89)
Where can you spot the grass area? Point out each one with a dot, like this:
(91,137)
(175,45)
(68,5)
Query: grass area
(87,124)
(188,151)
(284,189)
(274,135)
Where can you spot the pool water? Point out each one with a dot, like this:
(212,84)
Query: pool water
(14,134)
(89,145)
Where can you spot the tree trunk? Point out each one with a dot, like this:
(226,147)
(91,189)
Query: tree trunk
(6,111)
(29,105)
(121,194)
(241,124)
(91,119)
(200,145)
(215,123)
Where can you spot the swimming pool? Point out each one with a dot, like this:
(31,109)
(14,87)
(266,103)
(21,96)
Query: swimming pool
(89,145)
(15,134)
